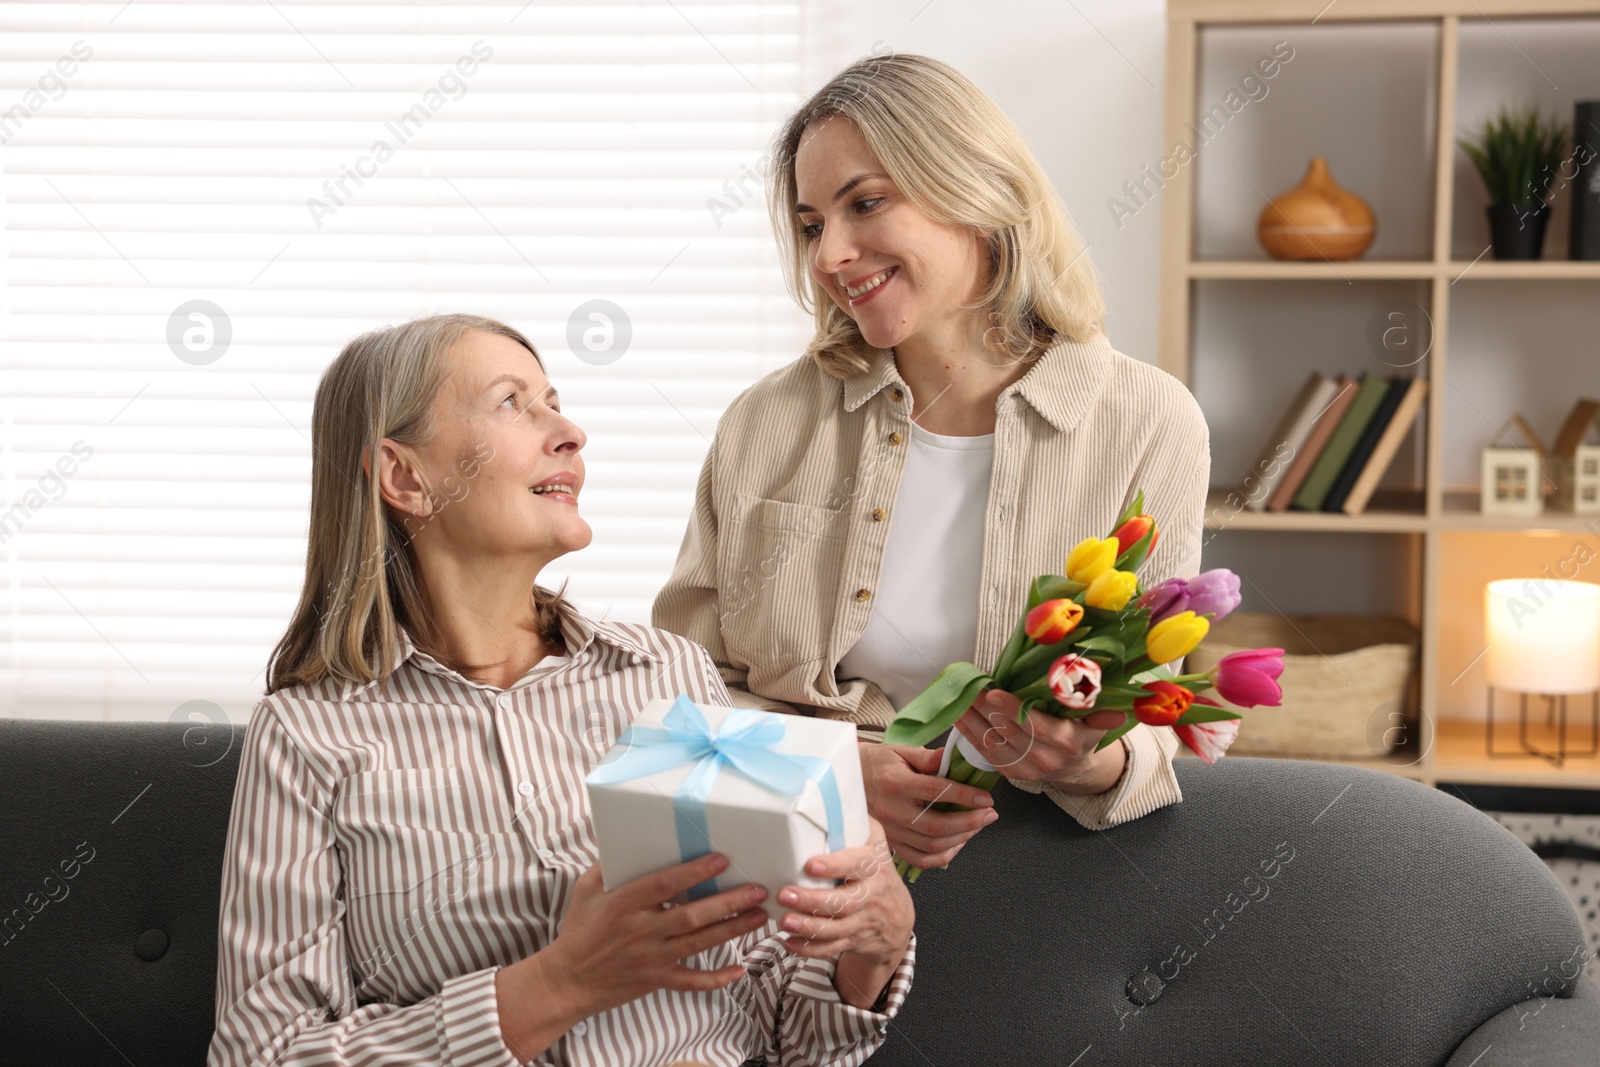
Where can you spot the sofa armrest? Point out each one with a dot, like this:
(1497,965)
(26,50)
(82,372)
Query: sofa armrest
(1553,1032)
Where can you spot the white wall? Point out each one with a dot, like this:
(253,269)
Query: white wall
(1086,90)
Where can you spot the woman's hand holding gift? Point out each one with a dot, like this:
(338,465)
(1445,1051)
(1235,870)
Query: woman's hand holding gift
(903,785)
(616,946)
(866,921)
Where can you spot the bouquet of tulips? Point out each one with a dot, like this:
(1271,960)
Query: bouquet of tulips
(1094,639)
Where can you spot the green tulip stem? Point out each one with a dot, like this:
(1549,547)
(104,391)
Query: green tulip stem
(961,770)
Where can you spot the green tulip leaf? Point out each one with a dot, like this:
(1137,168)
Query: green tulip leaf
(1053,587)
(1205,713)
(1134,508)
(1028,705)
(1103,643)
(1111,735)
(1008,655)
(937,707)
(1032,664)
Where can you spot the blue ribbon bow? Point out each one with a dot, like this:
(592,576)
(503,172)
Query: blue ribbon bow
(744,742)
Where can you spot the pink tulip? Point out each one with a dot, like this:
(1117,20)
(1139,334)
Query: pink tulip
(1208,740)
(1247,678)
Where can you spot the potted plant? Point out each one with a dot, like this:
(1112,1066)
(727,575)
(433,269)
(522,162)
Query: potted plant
(1517,152)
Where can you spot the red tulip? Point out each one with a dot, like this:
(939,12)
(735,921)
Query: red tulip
(1053,620)
(1128,533)
(1167,701)
(1075,681)
(1248,678)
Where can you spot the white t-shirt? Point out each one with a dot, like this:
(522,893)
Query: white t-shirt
(925,611)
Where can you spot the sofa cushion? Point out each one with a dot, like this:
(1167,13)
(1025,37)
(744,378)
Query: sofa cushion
(112,837)
(1285,911)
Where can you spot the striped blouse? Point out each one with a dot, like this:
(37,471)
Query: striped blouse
(392,845)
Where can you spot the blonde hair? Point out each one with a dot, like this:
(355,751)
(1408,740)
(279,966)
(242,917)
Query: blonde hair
(361,576)
(959,160)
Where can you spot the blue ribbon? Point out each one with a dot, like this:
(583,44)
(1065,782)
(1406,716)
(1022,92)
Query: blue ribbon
(743,742)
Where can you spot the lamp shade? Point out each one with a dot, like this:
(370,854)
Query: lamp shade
(1544,635)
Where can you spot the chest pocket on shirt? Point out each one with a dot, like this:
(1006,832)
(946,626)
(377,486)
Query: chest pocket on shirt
(778,564)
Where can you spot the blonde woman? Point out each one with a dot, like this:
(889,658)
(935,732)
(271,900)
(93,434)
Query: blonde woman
(876,509)
(410,873)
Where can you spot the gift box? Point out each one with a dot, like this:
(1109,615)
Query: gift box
(767,791)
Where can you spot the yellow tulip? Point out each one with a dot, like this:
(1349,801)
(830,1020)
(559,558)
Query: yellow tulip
(1175,636)
(1091,558)
(1112,590)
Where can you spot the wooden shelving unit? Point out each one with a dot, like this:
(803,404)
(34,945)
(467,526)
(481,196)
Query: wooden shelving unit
(1436,519)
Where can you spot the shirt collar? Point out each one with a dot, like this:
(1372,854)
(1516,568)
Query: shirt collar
(577,631)
(1064,382)
(862,387)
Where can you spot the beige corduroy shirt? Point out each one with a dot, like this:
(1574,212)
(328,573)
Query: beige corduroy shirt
(778,565)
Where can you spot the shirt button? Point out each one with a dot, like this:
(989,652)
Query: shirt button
(637,659)
(863,594)
(580,1028)
(898,396)
(877,514)
(525,788)
(504,700)
(894,438)
(545,854)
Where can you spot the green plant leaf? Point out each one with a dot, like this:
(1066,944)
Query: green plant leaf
(1106,643)
(1135,507)
(1008,655)
(1032,664)
(936,708)
(1517,152)
(1029,704)
(1111,735)
(1053,587)
(1205,713)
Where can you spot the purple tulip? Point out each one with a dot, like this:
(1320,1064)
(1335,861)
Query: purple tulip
(1214,593)
(1247,678)
(1168,598)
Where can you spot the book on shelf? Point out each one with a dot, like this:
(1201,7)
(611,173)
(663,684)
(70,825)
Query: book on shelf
(1322,427)
(1289,437)
(1395,389)
(1369,394)
(1405,414)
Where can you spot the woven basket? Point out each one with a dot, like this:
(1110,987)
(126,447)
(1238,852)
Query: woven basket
(1347,683)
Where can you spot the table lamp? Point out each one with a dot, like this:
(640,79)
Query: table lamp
(1544,639)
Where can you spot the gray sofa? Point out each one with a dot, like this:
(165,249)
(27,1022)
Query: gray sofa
(1285,912)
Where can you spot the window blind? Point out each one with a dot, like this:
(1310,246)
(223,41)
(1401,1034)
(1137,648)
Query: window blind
(203,201)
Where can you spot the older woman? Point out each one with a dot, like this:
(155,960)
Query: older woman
(410,874)
(876,509)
